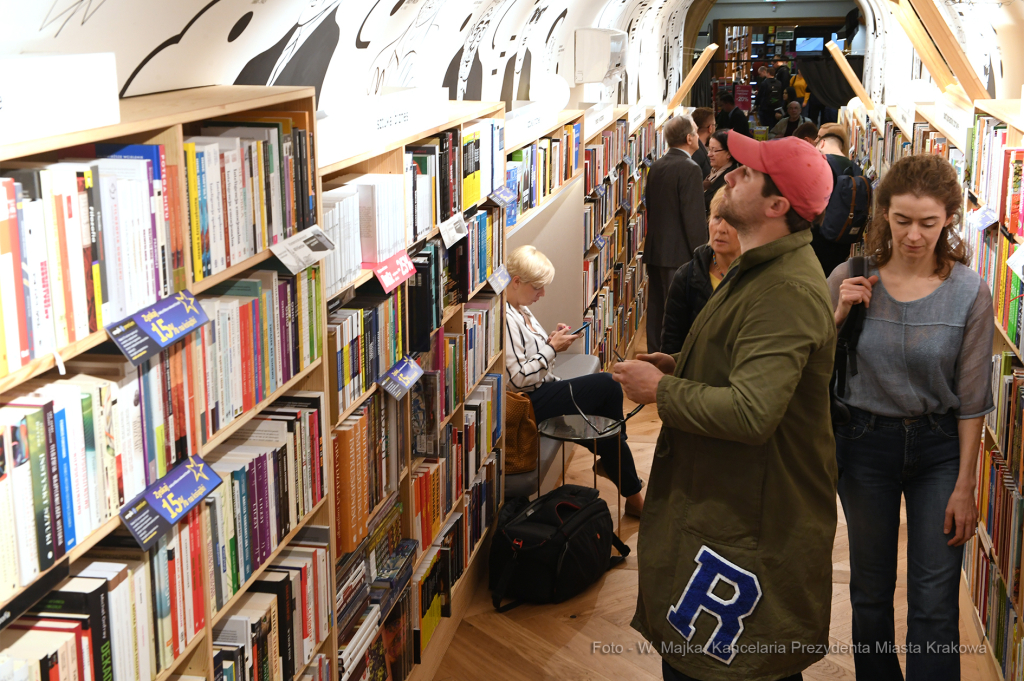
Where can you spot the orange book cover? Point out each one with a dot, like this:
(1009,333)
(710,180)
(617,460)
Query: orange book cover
(69,314)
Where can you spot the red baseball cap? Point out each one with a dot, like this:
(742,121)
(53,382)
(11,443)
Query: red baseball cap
(798,169)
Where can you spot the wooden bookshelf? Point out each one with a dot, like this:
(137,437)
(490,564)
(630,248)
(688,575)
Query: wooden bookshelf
(166,118)
(387,158)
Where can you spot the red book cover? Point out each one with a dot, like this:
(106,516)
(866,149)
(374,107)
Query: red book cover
(8,199)
(316,599)
(248,370)
(69,315)
(197,571)
(172,578)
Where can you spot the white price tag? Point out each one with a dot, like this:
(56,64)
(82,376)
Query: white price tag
(303,249)
(453,229)
(1016,262)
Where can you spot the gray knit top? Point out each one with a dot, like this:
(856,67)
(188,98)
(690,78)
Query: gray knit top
(925,356)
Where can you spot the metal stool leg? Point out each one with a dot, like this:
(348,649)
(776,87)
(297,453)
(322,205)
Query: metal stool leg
(618,491)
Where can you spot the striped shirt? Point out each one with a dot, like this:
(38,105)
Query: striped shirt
(528,355)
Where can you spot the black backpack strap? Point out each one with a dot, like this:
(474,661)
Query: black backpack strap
(615,561)
(502,587)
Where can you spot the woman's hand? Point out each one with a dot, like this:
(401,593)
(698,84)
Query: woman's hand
(961,514)
(561,339)
(851,292)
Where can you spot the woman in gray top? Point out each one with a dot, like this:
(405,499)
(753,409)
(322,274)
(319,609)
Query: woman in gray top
(917,405)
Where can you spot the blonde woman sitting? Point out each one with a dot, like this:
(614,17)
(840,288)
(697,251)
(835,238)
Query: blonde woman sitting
(530,354)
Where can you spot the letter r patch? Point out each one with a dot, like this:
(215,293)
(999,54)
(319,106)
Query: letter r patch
(698,595)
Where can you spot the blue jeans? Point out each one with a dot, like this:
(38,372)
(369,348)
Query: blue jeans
(879,460)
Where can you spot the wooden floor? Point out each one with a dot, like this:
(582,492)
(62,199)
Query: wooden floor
(535,642)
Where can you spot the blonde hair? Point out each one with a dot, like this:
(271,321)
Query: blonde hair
(531,266)
(716,202)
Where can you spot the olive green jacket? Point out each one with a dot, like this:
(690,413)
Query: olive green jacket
(742,499)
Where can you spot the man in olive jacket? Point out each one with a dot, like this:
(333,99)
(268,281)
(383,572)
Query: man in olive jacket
(735,545)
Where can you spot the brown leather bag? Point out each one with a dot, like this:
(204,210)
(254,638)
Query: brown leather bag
(522,442)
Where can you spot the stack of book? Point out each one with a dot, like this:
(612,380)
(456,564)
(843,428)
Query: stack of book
(250,183)
(396,635)
(482,324)
(482,498)
(125,614)
(597,263)
(354,650)
(439,159)
(89,243)
(75,450)
(365,467)
(264,329)
(378,320)
(272,469)
(426,295)
(598,208)
(341,226)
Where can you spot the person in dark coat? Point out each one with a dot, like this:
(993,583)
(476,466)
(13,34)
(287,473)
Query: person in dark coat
(694,282)
(704,119)
(722,163)
(676,221)
(731,117)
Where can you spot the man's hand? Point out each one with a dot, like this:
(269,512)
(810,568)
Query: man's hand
(660,360)
(639,380)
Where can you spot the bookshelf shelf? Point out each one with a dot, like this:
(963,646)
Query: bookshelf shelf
(233,271)
(316,651)
(230,429)
(1006,339)
(355,404)
(165,110)
(68,558)
(1007,110)
(449,313)
(166,674)
(43,364)
(219,615)
(589,135)
(448,419)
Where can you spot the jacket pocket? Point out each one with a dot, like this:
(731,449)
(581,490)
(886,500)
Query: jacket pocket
(727,492)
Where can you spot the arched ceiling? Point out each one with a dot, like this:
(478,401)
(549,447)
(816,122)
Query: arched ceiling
(481,49)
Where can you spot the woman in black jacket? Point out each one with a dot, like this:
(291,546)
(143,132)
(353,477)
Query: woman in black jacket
(694,282)
(722,162)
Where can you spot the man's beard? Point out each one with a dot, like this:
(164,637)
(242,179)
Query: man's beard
(741,221)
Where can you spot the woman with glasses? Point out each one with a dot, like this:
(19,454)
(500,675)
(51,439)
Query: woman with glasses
(722,163)
(530,358)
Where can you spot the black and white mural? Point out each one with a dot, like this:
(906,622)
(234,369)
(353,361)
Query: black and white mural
(479,49)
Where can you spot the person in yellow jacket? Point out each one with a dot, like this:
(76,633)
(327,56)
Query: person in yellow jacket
(798,83)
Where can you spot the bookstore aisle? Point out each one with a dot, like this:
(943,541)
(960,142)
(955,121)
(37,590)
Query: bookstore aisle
(556,642)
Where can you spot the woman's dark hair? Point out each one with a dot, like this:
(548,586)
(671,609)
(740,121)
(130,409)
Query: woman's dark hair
(923,176)
(722,137)
(791,94)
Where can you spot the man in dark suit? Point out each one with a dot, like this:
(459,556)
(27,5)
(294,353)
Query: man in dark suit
(731,117)
(704,119)
(676,221)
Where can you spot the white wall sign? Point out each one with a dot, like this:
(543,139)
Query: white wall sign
(528,123)
(956,122)
(597,117)
(905,115)
(660,115)
(378,119)
(637,116)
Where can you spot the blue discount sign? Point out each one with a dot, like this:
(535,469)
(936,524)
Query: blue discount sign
(153,328)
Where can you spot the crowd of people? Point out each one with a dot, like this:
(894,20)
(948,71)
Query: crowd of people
(747,299)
